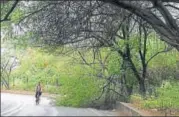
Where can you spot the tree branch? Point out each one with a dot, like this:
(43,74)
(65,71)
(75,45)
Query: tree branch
(32,13)
(170,35)
(166,50)
(6,18)
(166,15)
(84,59)
(172,6)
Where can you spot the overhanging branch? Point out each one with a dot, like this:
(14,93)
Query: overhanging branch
(165,50)
(6,18)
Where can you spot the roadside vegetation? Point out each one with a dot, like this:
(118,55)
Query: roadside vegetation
(79,85)
(165,99)
(91,63)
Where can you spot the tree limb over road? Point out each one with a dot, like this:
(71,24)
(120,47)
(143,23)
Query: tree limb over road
(166,25)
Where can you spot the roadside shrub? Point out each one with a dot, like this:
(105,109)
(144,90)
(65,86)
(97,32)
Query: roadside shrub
(77,92)
(136,99)
(168,97)
(51,89)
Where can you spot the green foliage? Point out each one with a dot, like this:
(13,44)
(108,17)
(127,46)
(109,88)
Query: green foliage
(35,67)
(166,59)
(136,99)
(74,80)
(167,97)
(78,84)
(5,7)
(114,63)
(16,15)
(77,91)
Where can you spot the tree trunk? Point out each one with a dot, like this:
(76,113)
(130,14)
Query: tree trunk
(177,48)
(129,89)
(142,87)
(8,84)
(13,81)
(27,80)
(107,95)
(4,82)
(57,82)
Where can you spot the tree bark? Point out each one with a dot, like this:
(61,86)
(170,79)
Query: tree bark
(169,32)
(142,88)
(13,81)
(57,84)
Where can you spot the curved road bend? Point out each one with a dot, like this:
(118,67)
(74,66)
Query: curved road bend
(24,105)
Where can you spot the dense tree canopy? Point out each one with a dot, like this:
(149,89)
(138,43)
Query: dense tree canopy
(113,49)
(162,15)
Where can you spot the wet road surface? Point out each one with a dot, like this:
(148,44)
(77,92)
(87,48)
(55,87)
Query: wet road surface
(24,105)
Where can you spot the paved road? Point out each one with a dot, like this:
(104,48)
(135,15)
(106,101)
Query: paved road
(24,105)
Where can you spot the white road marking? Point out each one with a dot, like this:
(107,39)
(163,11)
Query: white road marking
(16,110)
(18,107)
(24,105)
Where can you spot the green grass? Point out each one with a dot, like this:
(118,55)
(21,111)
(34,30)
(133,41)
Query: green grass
(167,97)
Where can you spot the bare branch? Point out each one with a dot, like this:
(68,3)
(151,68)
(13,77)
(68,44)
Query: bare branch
(84,60)
(6,18)
(33,13)
(163,51)
(172,6)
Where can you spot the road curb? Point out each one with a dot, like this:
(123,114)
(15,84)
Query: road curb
(130,111)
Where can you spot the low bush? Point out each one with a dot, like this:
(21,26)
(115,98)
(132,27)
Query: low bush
(167,97)
(77,92)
